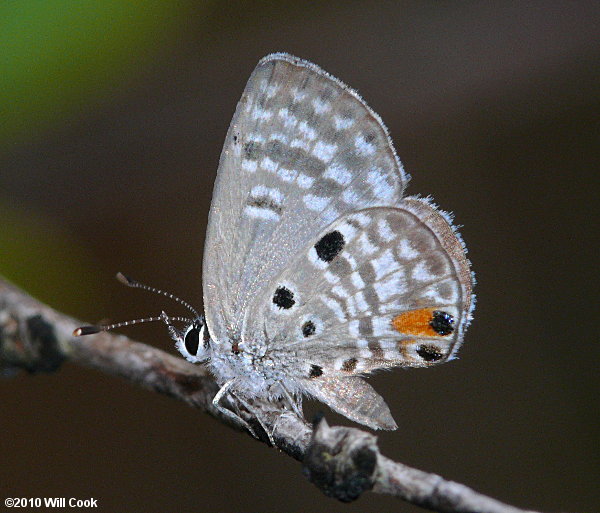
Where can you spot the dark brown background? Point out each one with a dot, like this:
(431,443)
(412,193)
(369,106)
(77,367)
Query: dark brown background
(494,112)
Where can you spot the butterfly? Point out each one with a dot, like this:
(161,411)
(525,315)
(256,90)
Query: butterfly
(317,270)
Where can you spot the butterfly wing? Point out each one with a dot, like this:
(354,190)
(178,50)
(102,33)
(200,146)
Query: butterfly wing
(354,398)
(384,283)
(379,288)
(302,150)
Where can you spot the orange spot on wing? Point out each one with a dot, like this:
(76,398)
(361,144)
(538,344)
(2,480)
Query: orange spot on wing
(415,322)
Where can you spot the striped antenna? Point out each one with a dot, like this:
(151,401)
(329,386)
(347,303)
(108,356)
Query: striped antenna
(90,330)
(125,280)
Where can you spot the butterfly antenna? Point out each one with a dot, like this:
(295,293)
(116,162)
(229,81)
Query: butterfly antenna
(130,282)
(90,330)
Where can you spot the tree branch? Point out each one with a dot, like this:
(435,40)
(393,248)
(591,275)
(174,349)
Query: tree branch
(343,462)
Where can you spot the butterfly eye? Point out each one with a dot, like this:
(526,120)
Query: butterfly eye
(194,345)
(192,341)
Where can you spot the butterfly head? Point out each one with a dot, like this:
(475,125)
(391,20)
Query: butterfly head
(193,342)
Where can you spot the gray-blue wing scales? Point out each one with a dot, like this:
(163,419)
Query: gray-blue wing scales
(381,287)
(302,150)
(378,288)
(312,251)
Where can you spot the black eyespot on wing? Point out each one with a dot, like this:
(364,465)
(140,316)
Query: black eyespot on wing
(349,365)
(284,298)
(315,371)
(442,323)
(192,341)
(330,245)
(430,353)
(308,328)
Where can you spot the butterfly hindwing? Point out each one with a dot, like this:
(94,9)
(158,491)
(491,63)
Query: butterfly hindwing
(302,150)
(377,288)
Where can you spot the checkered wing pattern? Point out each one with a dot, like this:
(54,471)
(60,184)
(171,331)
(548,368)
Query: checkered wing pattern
(378,288)
(302,150)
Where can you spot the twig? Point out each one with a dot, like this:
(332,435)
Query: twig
(343,462)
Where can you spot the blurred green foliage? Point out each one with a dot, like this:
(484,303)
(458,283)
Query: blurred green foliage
(44,260)
(58,59)
(56,55)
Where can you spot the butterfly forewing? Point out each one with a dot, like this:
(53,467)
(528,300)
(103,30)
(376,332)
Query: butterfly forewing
(302,150)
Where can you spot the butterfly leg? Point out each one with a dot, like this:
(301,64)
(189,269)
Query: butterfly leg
(256,414)
(228,413)
(291,406)
(296,404)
